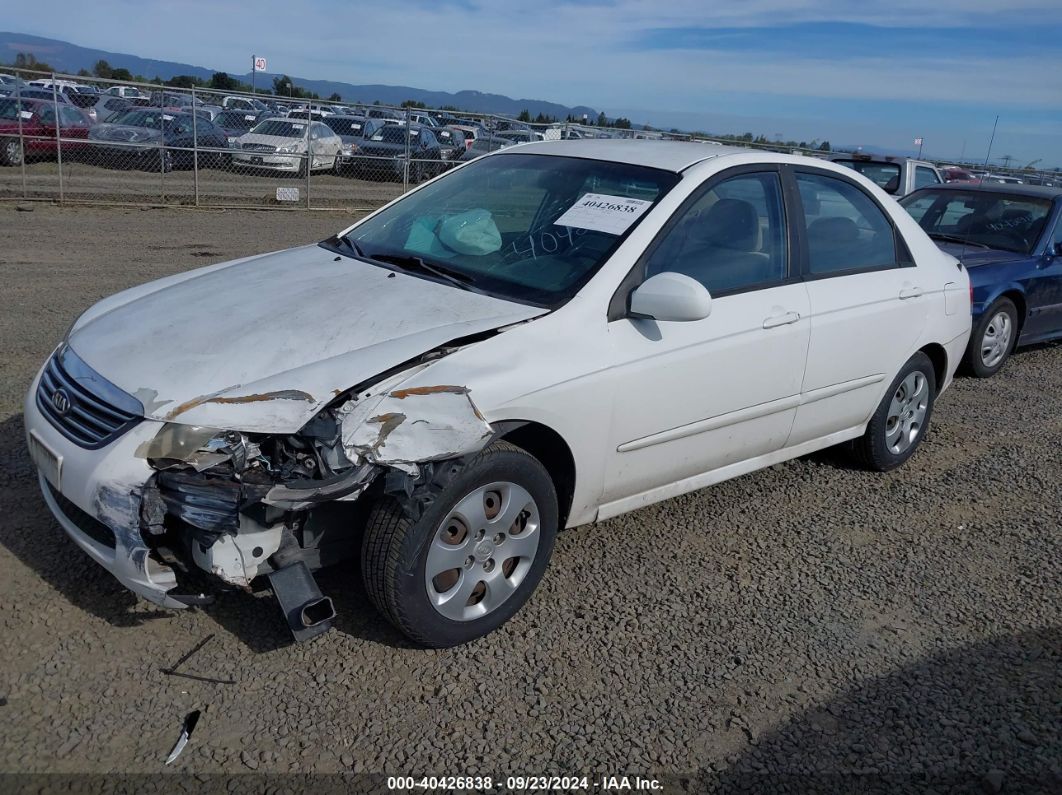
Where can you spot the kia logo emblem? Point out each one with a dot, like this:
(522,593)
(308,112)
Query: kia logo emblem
(61,402)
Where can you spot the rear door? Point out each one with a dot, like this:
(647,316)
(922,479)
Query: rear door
(867,308)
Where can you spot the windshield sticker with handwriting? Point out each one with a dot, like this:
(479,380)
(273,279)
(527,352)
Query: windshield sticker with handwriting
(600,212)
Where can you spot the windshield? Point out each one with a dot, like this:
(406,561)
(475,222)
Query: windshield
(344,125)
(279,127)
(530,228)
(393,134)
(996,220)
(236,119)
(885,175)
(9,109)
(144,118)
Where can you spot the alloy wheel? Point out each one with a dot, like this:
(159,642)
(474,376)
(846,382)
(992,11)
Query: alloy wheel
(482,551)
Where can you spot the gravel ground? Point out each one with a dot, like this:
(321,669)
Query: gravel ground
(810,627)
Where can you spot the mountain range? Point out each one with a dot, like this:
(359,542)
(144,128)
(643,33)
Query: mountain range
(67,57)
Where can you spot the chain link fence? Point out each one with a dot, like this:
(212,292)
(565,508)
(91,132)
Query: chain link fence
(79,139)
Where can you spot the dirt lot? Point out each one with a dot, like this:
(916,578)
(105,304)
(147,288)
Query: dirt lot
(808,627)
(84,181)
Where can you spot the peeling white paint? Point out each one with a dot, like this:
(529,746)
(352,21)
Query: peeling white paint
(401,427)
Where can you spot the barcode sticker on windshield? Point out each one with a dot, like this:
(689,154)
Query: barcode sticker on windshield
(25,114)
(249,118)
(600,212)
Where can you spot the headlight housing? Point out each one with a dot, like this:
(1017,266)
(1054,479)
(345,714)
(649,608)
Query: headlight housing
(290,149)
(199,447)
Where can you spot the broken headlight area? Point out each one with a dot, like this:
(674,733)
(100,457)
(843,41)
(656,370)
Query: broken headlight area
(226,501)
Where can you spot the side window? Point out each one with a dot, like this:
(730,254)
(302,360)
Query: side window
(924,177)
(70,117)
(846,230)
(47,114)
(730,238)
(1057,240)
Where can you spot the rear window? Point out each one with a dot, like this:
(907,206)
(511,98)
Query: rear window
(885,175)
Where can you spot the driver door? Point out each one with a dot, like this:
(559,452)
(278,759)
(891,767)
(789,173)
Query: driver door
(691,397)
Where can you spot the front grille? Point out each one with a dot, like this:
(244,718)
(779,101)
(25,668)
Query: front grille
(90,526)
(83,406)
(259,148)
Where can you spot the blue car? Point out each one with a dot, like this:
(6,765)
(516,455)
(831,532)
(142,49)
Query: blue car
(1009,237)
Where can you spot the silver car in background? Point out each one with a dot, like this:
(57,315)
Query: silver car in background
(282,144)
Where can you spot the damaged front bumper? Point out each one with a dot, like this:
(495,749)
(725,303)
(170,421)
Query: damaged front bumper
(151,521)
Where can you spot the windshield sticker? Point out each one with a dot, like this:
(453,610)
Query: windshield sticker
(249,118)
(167,118)
(600,212)
(25,114)
(298,126)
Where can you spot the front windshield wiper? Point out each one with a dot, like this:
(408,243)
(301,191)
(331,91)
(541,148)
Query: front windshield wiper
(342,241)
(956,239)
(412,262)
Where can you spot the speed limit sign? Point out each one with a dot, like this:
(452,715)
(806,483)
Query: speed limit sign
(259,64)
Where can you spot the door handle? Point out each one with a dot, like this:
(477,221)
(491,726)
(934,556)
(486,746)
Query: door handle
(781,320)
(910,292)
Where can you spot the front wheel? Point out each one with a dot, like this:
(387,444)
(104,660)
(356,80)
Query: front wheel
(11,152)
(472,558)
(902,417)
(992,339)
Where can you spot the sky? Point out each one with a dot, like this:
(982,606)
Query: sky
(855,73)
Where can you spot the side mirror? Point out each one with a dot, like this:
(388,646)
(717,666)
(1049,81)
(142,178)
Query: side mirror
(671,296)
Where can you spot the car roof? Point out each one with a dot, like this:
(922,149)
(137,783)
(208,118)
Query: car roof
(674,156)
(1036,191)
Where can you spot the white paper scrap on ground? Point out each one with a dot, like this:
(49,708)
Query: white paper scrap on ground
(600,212)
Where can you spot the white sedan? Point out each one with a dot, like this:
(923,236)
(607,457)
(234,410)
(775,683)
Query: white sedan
(552,335)
(282,145)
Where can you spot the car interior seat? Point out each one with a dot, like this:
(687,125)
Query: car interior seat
(833,244)
(720,248)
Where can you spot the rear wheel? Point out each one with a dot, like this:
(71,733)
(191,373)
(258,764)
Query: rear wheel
(472,558)
(992,339)
(902,417)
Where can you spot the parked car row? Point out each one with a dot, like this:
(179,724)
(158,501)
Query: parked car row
(153,132)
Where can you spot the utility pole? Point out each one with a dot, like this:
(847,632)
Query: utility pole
(254,63)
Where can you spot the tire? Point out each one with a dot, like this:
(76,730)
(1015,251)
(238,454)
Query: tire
(337,165)
(304,166)
(11,152)
(398,552)
(908,406)
(164,161)
(992,339)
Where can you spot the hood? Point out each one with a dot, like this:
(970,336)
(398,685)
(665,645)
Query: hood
(262,344)
(269,140)
(124,132)
(974,256)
